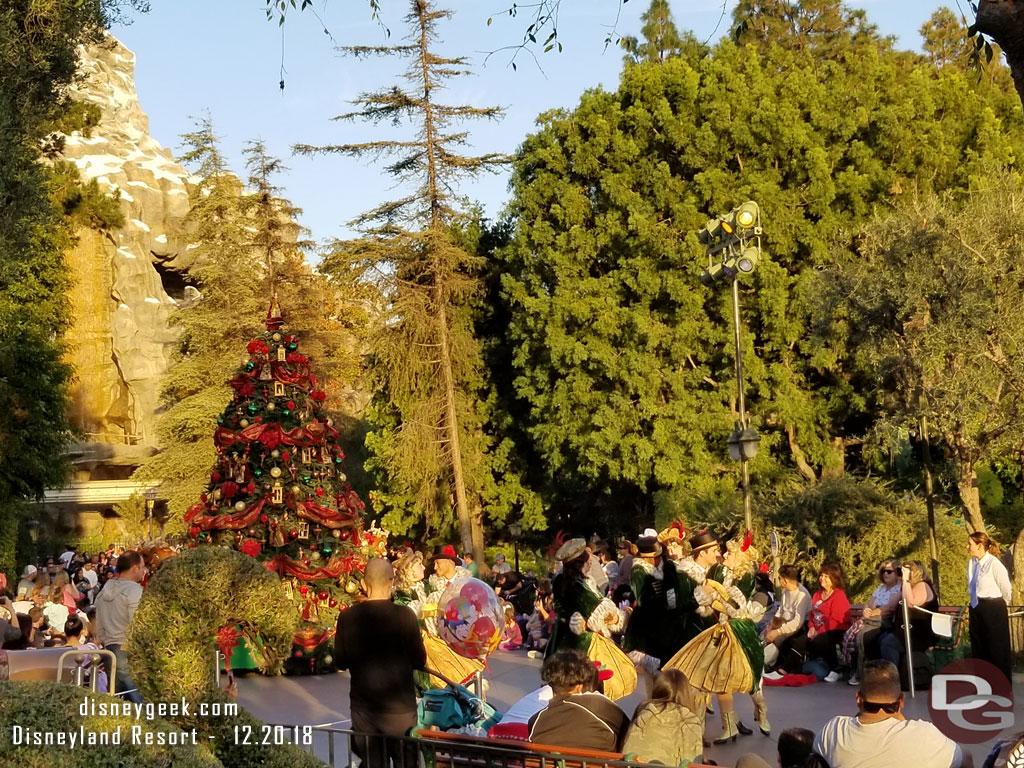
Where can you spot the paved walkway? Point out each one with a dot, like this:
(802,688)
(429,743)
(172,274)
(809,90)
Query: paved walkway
(323,700)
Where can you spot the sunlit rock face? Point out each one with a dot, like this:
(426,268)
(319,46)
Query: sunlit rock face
(127,282)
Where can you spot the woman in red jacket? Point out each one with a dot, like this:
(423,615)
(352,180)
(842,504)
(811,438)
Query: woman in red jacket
(827,622)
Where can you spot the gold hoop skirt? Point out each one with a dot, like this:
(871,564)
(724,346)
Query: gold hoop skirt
(441,658)
(611,657)
(714,661)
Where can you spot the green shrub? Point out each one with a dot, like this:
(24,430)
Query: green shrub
(53,707)
(190,598)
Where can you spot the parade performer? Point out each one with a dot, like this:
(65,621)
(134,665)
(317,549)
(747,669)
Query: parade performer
(411,591)
(656,629)
(584,620)
(446,569)
(728,657)
(671,540)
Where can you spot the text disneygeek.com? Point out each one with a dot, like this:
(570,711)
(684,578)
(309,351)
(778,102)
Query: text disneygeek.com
(96,735)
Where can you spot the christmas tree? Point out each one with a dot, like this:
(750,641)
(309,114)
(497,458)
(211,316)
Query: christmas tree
(278,493)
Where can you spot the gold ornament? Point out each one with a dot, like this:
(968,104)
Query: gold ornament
(216,493)
(336,533)
(351,587)
(276,337)
(296,489)
(278,389)
(281,354)
(244,423)
(277,494)
(271,406)
(275,453)
(240,505)
(307,455)
(275,471)
(303,529)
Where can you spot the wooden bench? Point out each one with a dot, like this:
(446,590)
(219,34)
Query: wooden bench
(456,750)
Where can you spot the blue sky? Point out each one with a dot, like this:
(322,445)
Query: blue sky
(225,57)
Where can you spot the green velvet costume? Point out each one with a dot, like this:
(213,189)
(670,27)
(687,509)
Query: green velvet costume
(747,634)
(578,597)
(655,628)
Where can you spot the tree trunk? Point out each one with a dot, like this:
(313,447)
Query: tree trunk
(929,500)
(836,467)
(1003,21)
(967,484)
(798,455)
(1018,569)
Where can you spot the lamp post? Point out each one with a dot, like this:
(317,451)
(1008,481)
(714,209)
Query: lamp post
(736,239)
(33,530)
(150,495)
(515,531)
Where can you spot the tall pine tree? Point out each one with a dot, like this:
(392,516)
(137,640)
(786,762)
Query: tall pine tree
(427,441)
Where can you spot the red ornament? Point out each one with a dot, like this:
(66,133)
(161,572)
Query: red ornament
(319,491)
(319,395)
(202,497)
(293,534)
(290,405)
(263,518)
(303,589)
(298,654)
(285,455)
(250,487)
(193,531)
(323,594)
(333,603)
(229,489)
(215,477)
(257,347)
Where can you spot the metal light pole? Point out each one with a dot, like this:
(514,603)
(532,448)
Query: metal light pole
(737,237)
(515,530)
(150,503)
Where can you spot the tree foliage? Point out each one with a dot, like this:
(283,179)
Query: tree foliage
(429,453)
(246,248)
(622,361)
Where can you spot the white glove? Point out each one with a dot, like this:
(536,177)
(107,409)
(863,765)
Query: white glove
(577,624)
(648,664)
(670,599)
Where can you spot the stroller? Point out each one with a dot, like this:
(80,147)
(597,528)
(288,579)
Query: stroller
(455,709)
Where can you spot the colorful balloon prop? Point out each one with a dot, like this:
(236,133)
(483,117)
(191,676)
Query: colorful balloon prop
(470,618)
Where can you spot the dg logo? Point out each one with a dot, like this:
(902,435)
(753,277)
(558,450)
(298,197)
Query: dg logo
(971,701)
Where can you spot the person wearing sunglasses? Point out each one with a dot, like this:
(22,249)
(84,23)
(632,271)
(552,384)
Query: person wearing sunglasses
(877,614)
(880,736)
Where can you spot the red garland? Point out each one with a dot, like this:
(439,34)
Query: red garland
(297,378)
(250,547)
(257,347)
(271,435)
(224,522)
(243,384)
(286,566)
(325,516)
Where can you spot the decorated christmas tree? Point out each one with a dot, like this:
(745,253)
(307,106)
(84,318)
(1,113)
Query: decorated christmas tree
(278,491)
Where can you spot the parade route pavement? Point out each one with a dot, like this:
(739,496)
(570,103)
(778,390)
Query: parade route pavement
(323,700)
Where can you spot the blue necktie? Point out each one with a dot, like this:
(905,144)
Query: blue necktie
(973,586)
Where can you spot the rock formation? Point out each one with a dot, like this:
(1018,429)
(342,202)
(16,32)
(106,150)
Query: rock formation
(122,340)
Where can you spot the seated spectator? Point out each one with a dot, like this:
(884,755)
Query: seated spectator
(764,593)
(879,611)
(667,728)
(795,751)
(827,622)
(880,736)
(10,631)
(790,619)
(512,639)
(27,583)
(917,591)
(470,560)
(77,636)
(577,716)
(500,566)
(540,624)
(23,640)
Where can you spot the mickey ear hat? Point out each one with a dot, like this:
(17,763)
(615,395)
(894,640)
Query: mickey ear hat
(572,549)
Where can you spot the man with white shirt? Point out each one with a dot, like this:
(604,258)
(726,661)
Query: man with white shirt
(988,585)
(790,617)
(879,736)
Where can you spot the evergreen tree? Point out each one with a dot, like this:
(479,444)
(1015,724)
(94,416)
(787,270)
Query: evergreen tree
(661,38)
(40,203)
(427,439)
(622,361)
(278,491)
(245,249)
(825,27)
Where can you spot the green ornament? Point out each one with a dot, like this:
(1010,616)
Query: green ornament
(220,419)
(285,412)
(327,549)
(337,459)
(250,366)
(292,346)
(257,472)
(307,479)
(252,409)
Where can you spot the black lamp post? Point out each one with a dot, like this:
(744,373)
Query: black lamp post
(515,531)
(150,503)
(736,239)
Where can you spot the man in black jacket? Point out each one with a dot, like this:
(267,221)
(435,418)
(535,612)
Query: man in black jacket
(577,715)
(380,644)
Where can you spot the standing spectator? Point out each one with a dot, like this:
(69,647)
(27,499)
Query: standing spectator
(90,575)
(667,728)
(790,618)
(500,566)
(381,646)
(115,607)
(64,593)
(610,566)
(577,716)
(27,583)
(879,736)
(619,589)
(471,566)
(880,610)
(990,593)
(67,556)
(597,572)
